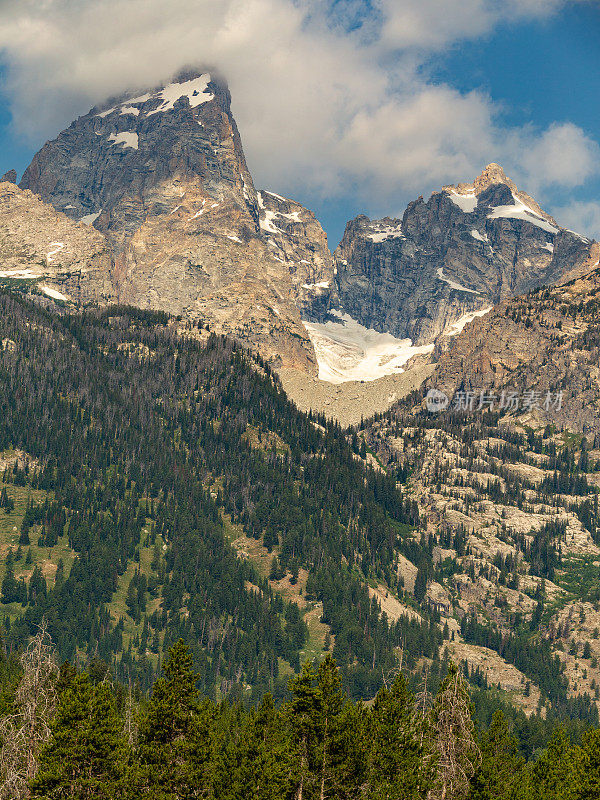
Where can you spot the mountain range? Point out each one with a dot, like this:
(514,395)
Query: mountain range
(157,185)
(163,303)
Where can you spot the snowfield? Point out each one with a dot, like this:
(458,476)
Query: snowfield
(520,211)
(456,327)
(347,351)
(127,139)
(58,246)
(196,91)
(466,202)
(480,238)
(53,293)
(89,219)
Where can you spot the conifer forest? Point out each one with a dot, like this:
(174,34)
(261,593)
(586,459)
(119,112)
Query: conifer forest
(191,590)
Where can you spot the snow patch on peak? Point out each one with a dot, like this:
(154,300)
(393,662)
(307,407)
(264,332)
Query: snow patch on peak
(268,218)
(381,230)
(456,327)
(519,210)
(453,284)
(476,235)
(466,202)
(267,223)
(278,196)
(315,287)
(127,139)
(194,90)
(89,219)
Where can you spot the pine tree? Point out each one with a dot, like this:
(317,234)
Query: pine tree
(331,752)
(223,770)
(552,775)
(420,589)
(167,734)
(86,758)
(327,735)
(10,585)
(400,756)
(304,713)
(500,762)
(586,783)
(268,769)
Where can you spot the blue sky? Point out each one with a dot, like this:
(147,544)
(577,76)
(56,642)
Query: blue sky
(350,107)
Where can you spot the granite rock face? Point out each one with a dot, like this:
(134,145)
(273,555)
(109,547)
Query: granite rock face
(298,241)
(162,175)
(45,250)
(120,164)
(468,247)
(545,341)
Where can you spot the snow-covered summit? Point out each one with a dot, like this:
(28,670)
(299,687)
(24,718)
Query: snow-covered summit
(194,89)
(466,195)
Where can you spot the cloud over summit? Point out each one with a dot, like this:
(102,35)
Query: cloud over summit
(327,103)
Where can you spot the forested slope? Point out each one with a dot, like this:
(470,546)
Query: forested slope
(138,450)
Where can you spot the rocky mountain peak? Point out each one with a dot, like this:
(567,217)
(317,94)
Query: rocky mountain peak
(451,258)
(9,177)
(490,175)
(494,175)
(161,174)
(133,157)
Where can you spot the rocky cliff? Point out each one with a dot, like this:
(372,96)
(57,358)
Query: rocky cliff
(545,341)
(465,249)
(162,175)
(45,251)
(299,242)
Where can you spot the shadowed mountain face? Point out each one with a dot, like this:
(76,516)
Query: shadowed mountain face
(466,248)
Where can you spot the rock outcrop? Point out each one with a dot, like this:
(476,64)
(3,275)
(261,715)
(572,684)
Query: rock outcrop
(546,341)
(298,241)
(42,249)
(468,247)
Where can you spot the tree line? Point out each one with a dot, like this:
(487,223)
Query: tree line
(69,734)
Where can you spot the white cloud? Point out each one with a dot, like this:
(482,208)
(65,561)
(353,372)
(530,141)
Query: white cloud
(425,139)
(562,155)
(433,23)
(580,216)
(321,107)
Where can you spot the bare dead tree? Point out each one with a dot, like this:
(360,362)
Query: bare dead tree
(24,732)
(423,705)
(389,676)
(131,719)
(457,752)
